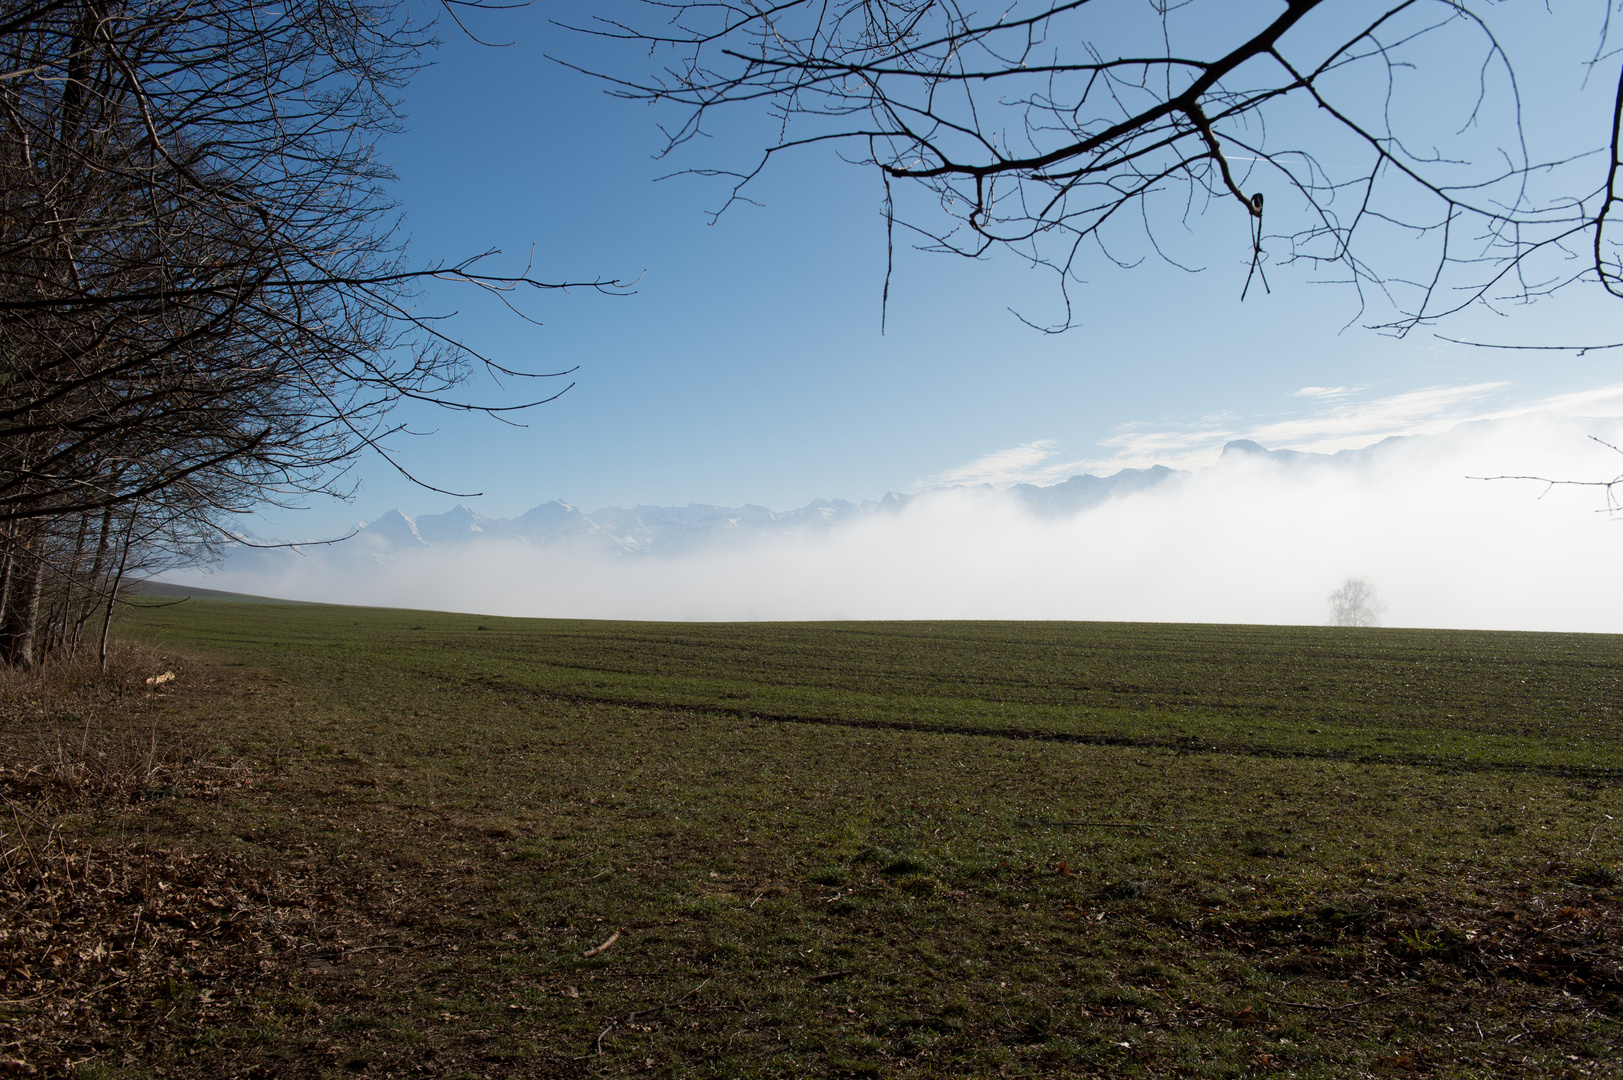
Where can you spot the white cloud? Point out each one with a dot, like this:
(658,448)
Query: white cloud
(1604,402)
(1347,425)
(1339,421)
(1000,468)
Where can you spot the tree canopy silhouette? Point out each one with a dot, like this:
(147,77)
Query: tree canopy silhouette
(205,302)
(1384,146)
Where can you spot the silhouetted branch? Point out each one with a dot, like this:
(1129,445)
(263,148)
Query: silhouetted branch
(1612,489)
(1030,128)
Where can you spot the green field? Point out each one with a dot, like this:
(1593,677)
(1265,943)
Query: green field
(385,840)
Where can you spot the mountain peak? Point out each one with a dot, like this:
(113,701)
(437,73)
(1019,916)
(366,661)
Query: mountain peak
(393,528)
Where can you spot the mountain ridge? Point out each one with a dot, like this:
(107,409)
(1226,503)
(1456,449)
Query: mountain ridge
(644,528)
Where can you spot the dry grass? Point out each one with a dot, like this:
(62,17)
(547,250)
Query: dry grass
(76,739)
(78,744)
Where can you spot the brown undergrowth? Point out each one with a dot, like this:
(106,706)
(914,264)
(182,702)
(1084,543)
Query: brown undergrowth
(119,940)
(120,954)
(89,926)
(77,738)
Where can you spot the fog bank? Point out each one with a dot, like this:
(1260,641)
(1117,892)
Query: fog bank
(1257,537)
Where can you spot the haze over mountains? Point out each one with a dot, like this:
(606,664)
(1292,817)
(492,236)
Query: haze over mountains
(1258,536)
(666,530)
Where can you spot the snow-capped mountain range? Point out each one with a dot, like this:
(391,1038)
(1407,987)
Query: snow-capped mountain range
(618,533)
(644,530)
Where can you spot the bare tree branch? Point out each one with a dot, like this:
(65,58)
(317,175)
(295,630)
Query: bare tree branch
(1032,127)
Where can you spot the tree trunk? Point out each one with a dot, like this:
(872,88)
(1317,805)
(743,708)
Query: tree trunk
(23,649)
(112,590)
(6,563)
(58,611)
(94,582)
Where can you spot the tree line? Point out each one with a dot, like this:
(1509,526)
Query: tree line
(205,303)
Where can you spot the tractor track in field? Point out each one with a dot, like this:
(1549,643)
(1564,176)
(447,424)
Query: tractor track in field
(1600,774)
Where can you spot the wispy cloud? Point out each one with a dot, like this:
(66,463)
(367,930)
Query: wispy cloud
(1327,391)
(1000,468)
(1348,424)
(1604,402)
(1341,421)
(1335,418)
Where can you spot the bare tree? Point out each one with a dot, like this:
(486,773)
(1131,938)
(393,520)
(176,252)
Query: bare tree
(1386,143)
(204,298)
(1355,604)
(197,249)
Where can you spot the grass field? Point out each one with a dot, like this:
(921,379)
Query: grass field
(358,842)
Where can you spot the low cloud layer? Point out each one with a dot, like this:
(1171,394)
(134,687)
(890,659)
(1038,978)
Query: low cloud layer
(1261,538)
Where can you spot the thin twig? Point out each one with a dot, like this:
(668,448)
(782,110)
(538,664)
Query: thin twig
(595,950)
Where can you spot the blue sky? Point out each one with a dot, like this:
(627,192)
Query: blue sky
(748,364)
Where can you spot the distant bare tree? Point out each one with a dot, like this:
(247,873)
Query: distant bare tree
(1355,604)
